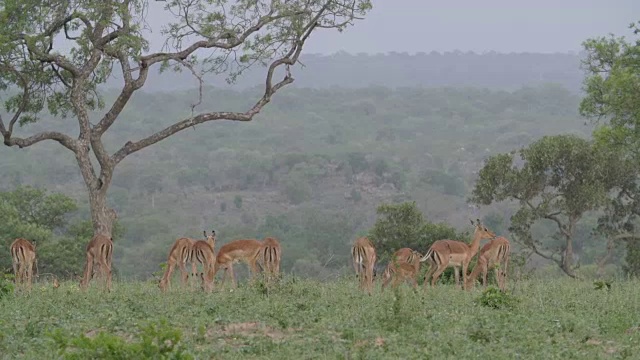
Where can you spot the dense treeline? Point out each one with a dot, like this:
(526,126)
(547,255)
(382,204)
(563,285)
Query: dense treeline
(311,169)
(458,69)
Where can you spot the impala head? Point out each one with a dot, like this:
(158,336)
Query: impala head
(211,238)
(482,230)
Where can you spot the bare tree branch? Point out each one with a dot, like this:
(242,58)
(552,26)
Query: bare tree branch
(230,41)
(288,59)
(63,139)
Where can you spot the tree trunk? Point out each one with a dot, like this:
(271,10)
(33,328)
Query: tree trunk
(567,256)
(102,217)
(603,261)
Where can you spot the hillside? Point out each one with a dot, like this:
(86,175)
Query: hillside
(311,169)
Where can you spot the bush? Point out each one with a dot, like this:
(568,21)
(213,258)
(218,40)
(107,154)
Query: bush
(497,299)
(159,341)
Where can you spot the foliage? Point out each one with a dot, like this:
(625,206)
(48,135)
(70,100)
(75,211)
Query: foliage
(495,298)
(6,286)
(36,207)
(313,319)
(33,214)
(160,341)
(612,88)
(562,178)
(403,225)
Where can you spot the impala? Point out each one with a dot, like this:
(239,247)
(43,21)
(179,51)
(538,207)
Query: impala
(23,255)
(99,252)
(179,255)
(363,254)
(270,255)
(495,252)
(203,252)
(404,265)
(444,253)
(247,250)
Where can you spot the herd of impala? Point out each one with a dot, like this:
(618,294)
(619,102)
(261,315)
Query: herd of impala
(405,263)
(266,254)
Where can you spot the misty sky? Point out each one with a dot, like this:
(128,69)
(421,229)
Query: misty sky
(474,25)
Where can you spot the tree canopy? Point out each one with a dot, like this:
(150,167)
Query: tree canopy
(403,225)
(612,100)
(558,179)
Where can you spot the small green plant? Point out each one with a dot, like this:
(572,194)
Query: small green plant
(155,341)
(600,285)
(6,284)
(497,299)
(160,272)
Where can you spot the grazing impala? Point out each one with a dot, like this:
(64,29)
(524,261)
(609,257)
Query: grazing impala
(444,253)
(247,250)
(23,255)
(495,252)
(203,252)
(179,255)
(270,255)
(404,265)
(363,254)
(99,253)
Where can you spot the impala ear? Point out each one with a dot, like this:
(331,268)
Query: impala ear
(471,222)
(213,233)
(478,221)
(205,233)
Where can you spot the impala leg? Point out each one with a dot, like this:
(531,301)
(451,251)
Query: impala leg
(485,272)
(437,273)
(29,271)
(184,274)
(88,272)
(432,268)
(456,275)
(233,276)
(465,269)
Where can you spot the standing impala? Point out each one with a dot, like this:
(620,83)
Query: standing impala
(99,253)
(444,253)
(495,252)
(247,250)
(179,255)
(363,254)
(23,256)
(404,265)
(270,257)
(203,252)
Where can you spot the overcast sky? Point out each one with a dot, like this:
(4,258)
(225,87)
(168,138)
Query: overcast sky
(476,25)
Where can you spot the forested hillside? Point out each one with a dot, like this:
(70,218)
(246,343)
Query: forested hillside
(310,170)
(457,69)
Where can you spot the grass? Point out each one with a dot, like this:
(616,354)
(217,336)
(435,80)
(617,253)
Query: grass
(305,319)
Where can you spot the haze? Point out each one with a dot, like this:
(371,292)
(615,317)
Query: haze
(544,26)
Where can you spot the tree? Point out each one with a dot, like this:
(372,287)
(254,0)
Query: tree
(561,178)
(33,214)
(35,206)
(403,225)
(102,35)
(612,86)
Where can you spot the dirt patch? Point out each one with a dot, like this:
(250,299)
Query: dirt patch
(249,329)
